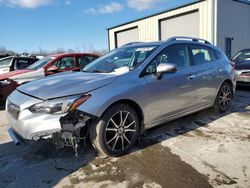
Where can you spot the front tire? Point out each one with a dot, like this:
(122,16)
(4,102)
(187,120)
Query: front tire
(224,97)
(116,131)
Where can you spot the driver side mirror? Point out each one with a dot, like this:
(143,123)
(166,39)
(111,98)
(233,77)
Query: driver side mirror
(52,69)
(165,68)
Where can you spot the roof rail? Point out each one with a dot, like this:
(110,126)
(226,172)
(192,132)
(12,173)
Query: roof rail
(131,43)
(188,38)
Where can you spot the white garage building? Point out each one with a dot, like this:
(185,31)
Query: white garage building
(225,23)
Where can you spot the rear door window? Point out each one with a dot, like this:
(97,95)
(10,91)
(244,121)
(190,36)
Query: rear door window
(201,55)
(23,63)
(85,60)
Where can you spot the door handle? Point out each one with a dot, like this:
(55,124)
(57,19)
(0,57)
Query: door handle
(191,76)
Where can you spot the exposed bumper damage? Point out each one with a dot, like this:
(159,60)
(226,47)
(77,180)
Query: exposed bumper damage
(15,137)
(75,127)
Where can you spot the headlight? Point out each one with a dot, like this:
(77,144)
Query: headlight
(237,72)
(59,106)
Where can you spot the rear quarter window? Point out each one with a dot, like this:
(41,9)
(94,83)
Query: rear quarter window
(201,54)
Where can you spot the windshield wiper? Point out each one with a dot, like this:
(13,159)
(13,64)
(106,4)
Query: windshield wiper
(95,71)
(85,71)
(100,71)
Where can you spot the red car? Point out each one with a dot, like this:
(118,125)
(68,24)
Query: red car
(44,67)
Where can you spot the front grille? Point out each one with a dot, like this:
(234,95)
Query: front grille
(13,109)
(245,73)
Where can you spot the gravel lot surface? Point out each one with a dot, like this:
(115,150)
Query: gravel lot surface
(201,150)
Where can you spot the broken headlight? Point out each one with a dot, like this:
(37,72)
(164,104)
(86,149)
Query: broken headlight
(59,106)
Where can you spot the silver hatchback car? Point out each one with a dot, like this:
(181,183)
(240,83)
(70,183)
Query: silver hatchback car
(120,95)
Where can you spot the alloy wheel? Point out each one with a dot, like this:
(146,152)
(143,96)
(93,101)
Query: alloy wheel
(120,131)
(225,97)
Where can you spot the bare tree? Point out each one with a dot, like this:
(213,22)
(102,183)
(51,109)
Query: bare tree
(4,51)
(43,52)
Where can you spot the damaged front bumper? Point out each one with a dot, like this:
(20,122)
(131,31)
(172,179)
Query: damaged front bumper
(32,127)
(15,137)
(43,126)
(35,126)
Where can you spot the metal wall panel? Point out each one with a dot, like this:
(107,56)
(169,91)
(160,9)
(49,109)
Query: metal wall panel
(233,22)
(148,28)
(126,36)
(183,25)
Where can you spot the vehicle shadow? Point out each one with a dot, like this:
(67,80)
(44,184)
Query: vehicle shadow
(243,88)
(43,164)
(39,164)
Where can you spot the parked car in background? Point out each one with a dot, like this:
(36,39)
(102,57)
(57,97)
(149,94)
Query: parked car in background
(12,63)
(5,55)
(47,66)
(39,57)
(242,67)
(120,95)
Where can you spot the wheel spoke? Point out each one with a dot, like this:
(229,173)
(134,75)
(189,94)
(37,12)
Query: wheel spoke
(125,119)
(221,99)
(129,130)
(224,104)
(121,119)
(126,127)
(111,129)
(126,138)
(227,102)
(122,139)
(225,89)
(112,139)
(115,142)
(114,123)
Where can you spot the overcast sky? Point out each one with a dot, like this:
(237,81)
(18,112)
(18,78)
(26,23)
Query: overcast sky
(27,25)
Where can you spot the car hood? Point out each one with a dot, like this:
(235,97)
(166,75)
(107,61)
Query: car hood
(66,84)
(242,65)
(13,73)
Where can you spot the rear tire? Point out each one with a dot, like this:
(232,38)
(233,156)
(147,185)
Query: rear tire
(116,131)
(223,100)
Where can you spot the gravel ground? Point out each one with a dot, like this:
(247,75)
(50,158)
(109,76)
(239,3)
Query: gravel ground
(201,150)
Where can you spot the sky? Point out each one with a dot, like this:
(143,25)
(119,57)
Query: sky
(31,25)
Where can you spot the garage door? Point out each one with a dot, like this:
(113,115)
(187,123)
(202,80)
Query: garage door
(185,25)
(129,35)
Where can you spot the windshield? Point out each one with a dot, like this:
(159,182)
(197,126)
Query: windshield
(39,64)
(242,56)
(122,57)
